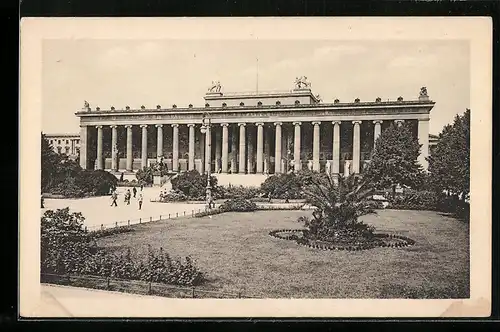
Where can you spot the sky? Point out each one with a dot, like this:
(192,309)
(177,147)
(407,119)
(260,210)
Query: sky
(140,72)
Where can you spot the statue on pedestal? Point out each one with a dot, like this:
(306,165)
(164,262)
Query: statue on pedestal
(301,82)
(310,165)
(328,167)
(423,92)
(347,168)
(215,87)
(86,105)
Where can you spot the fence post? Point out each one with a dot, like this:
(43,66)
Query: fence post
(169,216)
(193,292)
(140,220)
(150,219)
(184,213)
(192,213)
(107,282)
(128,222)
(176,214)
(160,216)
(116,223)
(102,227)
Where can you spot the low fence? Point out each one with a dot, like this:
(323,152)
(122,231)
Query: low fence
(129,222)
(136,286)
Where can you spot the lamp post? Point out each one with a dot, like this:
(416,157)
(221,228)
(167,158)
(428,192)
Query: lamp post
(205,129)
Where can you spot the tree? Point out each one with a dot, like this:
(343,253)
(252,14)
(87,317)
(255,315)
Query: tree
(449,164)
(49,162)
(193,184)
(394,160)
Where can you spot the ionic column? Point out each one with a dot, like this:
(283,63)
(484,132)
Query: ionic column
(83,147)
(242,148)
(423,138)
(159,141)
(203,143)
(175,147)
(377,130)
(99,147)
(399,123)
(316,139)
(260,148)
(234,150)
(356,147)
(296,147)
(129,148)
(218,150)
(144,152)
(250,154)
(114,149)
(191,165)
(267,151)
(277,153)
(208,150)
(225,147)
(336,147)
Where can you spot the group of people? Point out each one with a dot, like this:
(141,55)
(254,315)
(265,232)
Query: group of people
(127,197)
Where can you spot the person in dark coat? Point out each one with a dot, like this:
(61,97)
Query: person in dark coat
(134,191)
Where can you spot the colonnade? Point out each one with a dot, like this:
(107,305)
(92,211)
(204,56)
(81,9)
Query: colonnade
(242,161)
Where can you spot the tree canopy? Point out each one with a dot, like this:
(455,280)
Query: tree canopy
(394,159)
(449,164)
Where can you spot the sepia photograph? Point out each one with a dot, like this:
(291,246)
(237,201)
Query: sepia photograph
(311,169)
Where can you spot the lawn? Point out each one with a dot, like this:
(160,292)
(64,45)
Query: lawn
(237,255)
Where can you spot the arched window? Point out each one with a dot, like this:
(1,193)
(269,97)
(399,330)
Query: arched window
(242,104)
(259,103)
(278,102)
(297,102)
(224,104)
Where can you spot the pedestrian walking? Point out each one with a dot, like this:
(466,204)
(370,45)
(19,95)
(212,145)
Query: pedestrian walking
(114,197)
(140,201)
(142,186)
(127,196)
(134,191)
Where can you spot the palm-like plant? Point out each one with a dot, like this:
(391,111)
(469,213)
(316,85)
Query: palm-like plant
(339,204)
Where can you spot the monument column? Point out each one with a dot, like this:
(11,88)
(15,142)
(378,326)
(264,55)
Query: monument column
(191,127)
(277,153)
(296,147)
(316,139)
(260,147)
(423,138)
(399,123)
(225,147)
(377,130)
(175,147)
(144,153)
(83,147)
(234,150)
(114,149)
(336,147)
(242,160)
(218,150)
(99,147)
(129,148)
(159,141)
(356,146)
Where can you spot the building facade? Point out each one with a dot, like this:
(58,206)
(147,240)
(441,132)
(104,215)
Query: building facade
(68,144)
(250,133)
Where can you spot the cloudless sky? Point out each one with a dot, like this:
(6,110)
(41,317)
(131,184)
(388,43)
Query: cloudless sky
(118,73)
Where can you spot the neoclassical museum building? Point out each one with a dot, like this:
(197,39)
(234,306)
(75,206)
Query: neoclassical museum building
(249,133)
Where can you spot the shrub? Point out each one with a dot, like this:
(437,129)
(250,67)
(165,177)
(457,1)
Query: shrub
(415,200)
(67,248)
(238,192)
(238,205)
(193,184)
(145,175)
(111,231)
(283,186)
(173,196)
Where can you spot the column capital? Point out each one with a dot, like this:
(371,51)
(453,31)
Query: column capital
(377,121)
(113,126)
(259,123)
(316,123)
(297,123)
(143,126)
(175,125)
(98,127)
(191,125)
(357,122)
(128,126)
(242,124)
(336,122)
(224,124)
(159,126)
(278,123)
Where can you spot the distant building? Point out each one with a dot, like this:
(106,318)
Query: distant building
(67,144)
(251,133)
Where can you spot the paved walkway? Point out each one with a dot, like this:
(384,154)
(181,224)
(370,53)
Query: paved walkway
(98,210)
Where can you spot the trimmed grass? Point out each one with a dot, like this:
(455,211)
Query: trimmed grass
(237,255)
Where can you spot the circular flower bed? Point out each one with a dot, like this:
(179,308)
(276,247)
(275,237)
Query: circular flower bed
(379,240)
